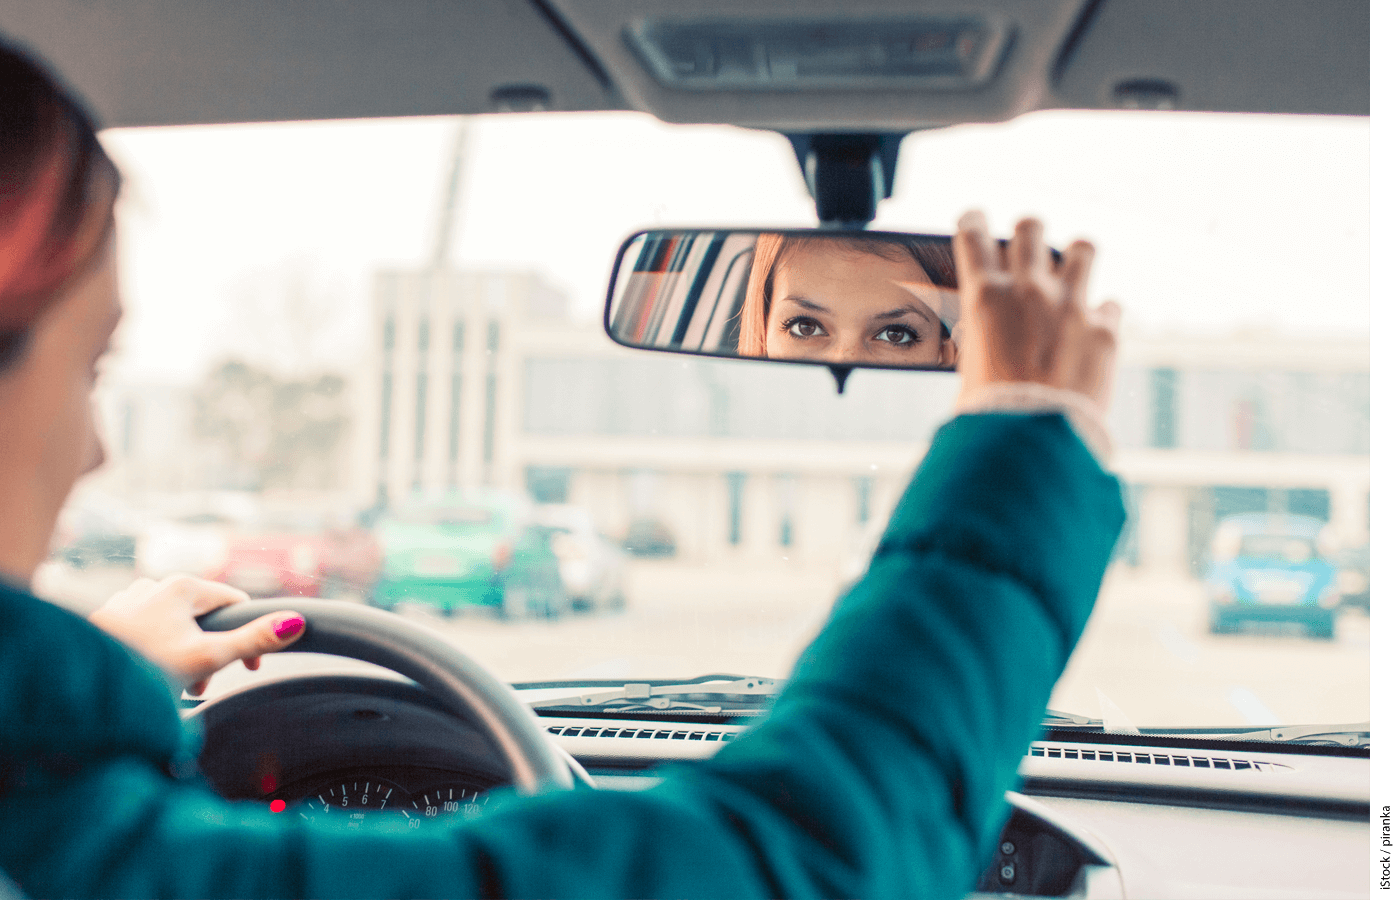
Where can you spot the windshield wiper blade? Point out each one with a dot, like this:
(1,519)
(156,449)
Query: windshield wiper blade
(1358,735)
(641,695)
(667,695)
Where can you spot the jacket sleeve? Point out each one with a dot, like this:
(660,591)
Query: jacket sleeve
(880,772)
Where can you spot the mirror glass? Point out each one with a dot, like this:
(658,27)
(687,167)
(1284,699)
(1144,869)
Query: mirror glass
(850,298)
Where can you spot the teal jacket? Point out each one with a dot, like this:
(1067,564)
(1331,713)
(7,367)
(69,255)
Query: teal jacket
(880,772)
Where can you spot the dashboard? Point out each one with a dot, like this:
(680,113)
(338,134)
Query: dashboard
(1098,816)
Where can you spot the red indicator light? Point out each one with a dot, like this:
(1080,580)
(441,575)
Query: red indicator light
(277,805)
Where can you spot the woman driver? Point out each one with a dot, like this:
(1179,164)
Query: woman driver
(880,771)
(849,299)
(58,309)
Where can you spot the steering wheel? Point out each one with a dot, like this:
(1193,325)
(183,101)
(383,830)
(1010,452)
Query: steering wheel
(388,640)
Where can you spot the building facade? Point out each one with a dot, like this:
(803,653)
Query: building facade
(480,379)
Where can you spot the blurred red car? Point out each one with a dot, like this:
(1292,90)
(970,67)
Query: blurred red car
(302,556)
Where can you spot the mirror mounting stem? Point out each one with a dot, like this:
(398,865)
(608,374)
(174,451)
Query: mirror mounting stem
(847,174)
(840,373)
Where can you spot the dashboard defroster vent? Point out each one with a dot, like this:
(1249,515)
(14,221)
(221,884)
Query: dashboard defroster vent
(1155,757)
(655,734)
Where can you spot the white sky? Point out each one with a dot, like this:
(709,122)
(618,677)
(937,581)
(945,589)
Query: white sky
(1203,222)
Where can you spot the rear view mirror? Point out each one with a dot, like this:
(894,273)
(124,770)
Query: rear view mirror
(838,298)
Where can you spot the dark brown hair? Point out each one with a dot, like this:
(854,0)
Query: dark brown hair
(935,257)
(57,191)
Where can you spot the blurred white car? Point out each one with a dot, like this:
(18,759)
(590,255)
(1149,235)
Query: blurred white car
(193,538)
(195,545)
(590,564)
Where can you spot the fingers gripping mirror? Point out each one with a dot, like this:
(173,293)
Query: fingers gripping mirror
(841,299)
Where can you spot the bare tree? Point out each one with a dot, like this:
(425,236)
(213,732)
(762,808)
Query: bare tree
(266,431)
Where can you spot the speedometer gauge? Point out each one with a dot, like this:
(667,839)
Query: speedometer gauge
(350,802)
(445,801)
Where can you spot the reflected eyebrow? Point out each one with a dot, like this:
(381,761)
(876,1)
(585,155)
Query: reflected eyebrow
(902,311)
(806,304)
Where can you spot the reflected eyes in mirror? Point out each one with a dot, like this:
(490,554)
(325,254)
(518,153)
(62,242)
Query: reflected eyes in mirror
(804,327)
(840,298)
(899,335)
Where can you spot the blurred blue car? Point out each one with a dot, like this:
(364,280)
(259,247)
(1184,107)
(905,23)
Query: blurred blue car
(1268,569)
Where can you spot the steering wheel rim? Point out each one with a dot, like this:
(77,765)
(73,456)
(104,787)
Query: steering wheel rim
(466,688)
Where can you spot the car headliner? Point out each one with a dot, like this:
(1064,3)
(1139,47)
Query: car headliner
(165,62)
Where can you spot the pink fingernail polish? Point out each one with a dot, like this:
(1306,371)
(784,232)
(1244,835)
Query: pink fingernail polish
(290,626)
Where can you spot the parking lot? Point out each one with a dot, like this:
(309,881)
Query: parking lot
(1146,652)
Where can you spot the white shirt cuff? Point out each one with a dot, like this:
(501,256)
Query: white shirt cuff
(1032,397)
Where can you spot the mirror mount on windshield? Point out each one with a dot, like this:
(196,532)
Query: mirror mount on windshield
(840,373)
(847,174)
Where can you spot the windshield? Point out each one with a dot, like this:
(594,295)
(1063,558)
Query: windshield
(384,318)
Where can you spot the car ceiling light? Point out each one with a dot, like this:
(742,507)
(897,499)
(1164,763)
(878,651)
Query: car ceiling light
(807,54)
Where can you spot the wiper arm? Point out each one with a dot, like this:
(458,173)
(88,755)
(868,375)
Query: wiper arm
(1358,735)
(1054,718)
(660,696)
(640,695)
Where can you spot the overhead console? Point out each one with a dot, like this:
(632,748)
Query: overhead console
(889,66)
(903,65)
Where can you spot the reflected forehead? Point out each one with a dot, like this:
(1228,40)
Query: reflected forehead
(836,279)
(806,264)
(804,303)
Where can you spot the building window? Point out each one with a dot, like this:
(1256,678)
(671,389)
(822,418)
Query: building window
(1128,548)
(548,484)
(488,422)
(454,425)
(787,501)
(865,486)
(386,403)
(1251,424)
(1245,418)
(1309,502)
(736,481)
(386,400)
(1164,407)
(1233,501)
(420,423)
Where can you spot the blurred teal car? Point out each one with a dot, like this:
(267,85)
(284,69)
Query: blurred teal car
(479,551)
(1268,569)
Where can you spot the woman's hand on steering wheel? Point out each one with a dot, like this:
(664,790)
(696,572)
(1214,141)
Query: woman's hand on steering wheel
(157,619)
